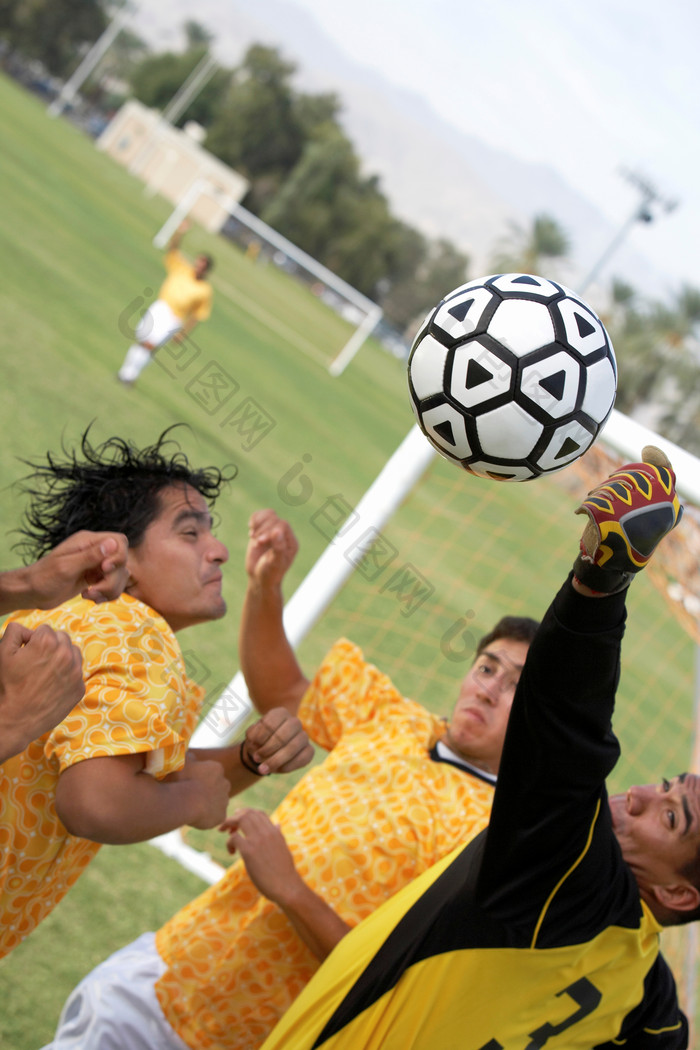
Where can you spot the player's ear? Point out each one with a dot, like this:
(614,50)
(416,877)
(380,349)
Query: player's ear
(132,564)
(678,896)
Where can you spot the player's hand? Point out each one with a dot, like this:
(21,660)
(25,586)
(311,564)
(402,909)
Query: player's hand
(262,847)
(628,515)
(277,743)
(41,681)
(209,790)
(272,547)
(92,564)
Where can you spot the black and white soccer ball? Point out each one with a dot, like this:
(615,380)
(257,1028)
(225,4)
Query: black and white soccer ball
(512,376)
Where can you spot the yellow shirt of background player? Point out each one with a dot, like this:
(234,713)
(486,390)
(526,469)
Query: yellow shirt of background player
(376,813)
(137,699)
(185,295)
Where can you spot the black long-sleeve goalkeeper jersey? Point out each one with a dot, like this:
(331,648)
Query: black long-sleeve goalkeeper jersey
(533,934)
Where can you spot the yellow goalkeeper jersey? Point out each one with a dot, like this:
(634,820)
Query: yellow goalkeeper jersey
(186,295)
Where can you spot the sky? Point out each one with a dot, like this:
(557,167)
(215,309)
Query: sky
(613,84)
(590,88)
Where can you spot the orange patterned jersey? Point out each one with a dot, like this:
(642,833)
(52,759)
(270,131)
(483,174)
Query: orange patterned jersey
(137,699)
(377,812)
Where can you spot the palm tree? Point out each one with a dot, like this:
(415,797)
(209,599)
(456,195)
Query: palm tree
(677,328)
(638,350)
(530,250)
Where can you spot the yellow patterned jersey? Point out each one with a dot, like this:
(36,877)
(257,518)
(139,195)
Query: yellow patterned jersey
(374,814)
(182,291)
(137,699)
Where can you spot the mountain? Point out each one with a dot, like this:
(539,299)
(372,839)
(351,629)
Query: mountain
(437,178)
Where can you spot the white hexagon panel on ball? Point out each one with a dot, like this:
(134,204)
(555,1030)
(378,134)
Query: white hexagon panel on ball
(522,326)
(601,386)
(508,432)
(427,369)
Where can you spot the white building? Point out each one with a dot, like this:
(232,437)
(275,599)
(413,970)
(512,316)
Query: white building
(170,160)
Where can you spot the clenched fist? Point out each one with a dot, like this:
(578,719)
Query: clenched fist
(40,683)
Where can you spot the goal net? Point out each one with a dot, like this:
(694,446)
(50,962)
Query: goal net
(417,587)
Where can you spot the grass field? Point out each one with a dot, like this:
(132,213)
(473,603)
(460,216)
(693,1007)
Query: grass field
(75,237)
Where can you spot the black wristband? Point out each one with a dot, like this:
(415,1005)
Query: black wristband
(252,768)
(605,581)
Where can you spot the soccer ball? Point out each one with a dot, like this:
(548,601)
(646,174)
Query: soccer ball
(512,376)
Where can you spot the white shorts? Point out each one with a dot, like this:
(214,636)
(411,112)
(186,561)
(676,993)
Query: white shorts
(158,325)
(115,1006)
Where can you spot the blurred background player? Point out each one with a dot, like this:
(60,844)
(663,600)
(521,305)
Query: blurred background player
(184,299)
(543,930)
(41,676)
(118,769)
(398,790)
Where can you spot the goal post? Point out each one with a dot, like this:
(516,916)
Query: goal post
(369,312)
(352,541)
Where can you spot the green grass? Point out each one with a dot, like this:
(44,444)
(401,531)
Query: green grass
(75,238)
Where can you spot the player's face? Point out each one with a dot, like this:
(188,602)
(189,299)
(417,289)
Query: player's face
(658,829)
(201,265)
(176,568)
(478,724)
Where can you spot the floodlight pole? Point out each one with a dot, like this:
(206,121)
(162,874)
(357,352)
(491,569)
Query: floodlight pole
(642,213)
(71,86)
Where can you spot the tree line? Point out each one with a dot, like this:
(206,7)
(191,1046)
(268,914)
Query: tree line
(307,181)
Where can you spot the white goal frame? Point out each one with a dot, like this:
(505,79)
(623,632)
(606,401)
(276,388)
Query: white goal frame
(373,313)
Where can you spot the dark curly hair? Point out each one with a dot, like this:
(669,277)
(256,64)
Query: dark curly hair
(515,628)
(110,487)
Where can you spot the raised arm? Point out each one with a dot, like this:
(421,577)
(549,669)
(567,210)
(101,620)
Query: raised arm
(559,746)
(272,674)
(271,868)
(176,237)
